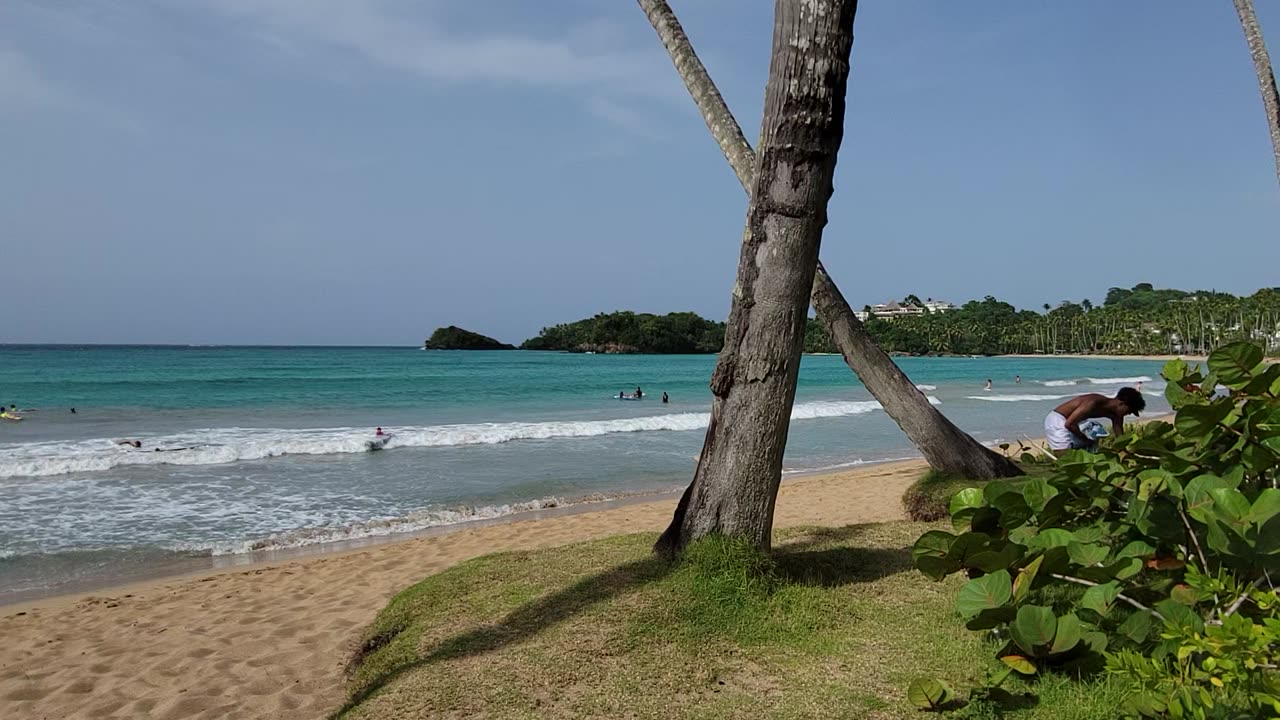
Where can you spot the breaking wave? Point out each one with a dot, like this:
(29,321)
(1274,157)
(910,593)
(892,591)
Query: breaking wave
(1017,398)
(224,445)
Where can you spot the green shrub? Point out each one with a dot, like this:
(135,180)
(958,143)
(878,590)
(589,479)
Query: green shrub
(1155,557)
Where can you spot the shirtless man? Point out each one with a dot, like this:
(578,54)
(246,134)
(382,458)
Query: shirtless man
(1062,426)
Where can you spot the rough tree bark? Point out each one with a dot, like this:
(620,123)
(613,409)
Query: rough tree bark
(1266,76)
(946,447)
(754,383)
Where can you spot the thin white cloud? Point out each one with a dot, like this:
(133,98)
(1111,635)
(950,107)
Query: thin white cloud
(402,37)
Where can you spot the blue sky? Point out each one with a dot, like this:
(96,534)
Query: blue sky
(361,171)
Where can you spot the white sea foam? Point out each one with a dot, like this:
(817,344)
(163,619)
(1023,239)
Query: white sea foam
(926,387)
(224,445)
(1057,383)
(1017,398)
(421,520)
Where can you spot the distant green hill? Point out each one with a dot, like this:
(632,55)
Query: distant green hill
(455,338)
(629,332)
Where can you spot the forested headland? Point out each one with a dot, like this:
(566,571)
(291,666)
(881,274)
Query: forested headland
(1130,321)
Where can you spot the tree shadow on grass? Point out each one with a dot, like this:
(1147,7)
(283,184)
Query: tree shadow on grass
(815,557)
(531,618)
(831,557)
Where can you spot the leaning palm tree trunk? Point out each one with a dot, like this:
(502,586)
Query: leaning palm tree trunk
(947,448)
(754,384)
(1266,77)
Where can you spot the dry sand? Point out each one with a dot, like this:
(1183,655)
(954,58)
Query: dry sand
(271,641)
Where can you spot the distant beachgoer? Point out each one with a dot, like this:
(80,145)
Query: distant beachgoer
(664,397)
(639,393)
(1139,388)
(988,387)
(622,394)
(1017,379)
(130,443)
(378,432)
(1062,426)
(73,411)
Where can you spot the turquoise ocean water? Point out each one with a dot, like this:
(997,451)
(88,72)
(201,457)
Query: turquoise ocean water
(264,449)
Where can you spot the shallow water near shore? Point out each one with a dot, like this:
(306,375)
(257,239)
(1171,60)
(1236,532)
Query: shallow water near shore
(266,449)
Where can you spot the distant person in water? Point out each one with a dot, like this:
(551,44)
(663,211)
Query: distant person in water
(639,393)
(1062,426)
(988,387)
(1017,379)
(73,411)
(130,443)
(664,397)
(378,432)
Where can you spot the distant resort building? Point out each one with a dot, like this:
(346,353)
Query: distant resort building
(893,309)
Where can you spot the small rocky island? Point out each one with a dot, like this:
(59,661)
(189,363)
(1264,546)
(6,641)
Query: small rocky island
(455,338)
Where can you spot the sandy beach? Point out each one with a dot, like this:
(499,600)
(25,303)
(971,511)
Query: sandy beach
(271,641)
(1163,358)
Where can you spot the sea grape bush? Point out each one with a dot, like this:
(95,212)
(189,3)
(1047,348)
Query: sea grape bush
(1155,558)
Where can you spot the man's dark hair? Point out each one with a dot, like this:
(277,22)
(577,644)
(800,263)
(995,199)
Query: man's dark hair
(1132,400)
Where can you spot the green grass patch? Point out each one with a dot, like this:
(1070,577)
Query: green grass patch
(928,499)
(834,623)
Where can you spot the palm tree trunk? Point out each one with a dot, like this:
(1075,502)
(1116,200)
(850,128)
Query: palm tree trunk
(947,448)
(754,383)
(1266,77)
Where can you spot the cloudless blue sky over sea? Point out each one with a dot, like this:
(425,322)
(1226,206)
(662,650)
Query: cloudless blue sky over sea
(361,171)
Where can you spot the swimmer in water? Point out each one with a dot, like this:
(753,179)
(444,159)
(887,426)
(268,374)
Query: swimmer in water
(130,443)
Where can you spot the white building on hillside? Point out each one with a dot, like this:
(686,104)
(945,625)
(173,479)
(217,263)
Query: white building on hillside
(893,309)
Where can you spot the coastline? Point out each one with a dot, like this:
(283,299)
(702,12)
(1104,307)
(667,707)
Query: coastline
(1165,358)
(270,640)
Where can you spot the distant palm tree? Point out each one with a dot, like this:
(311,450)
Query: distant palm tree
(1266,77)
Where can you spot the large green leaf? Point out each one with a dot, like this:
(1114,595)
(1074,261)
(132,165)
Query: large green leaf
(929,694)
(929,554)
(1196,494)
(1196,421)
(1034,628)
(1136,626)
(1174,370)
(964,505)
(1050,538)
(1020,664)
(1231,505)
(1026,579)
(989,591)
(999,556)
(1086,554)
(991,618)
(1037,493)
(1069,633)
(1138,549)
(1099,597)
(1014,511)
(966,498)
(1235,363)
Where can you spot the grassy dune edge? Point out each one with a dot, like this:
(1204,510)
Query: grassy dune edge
(834,624)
